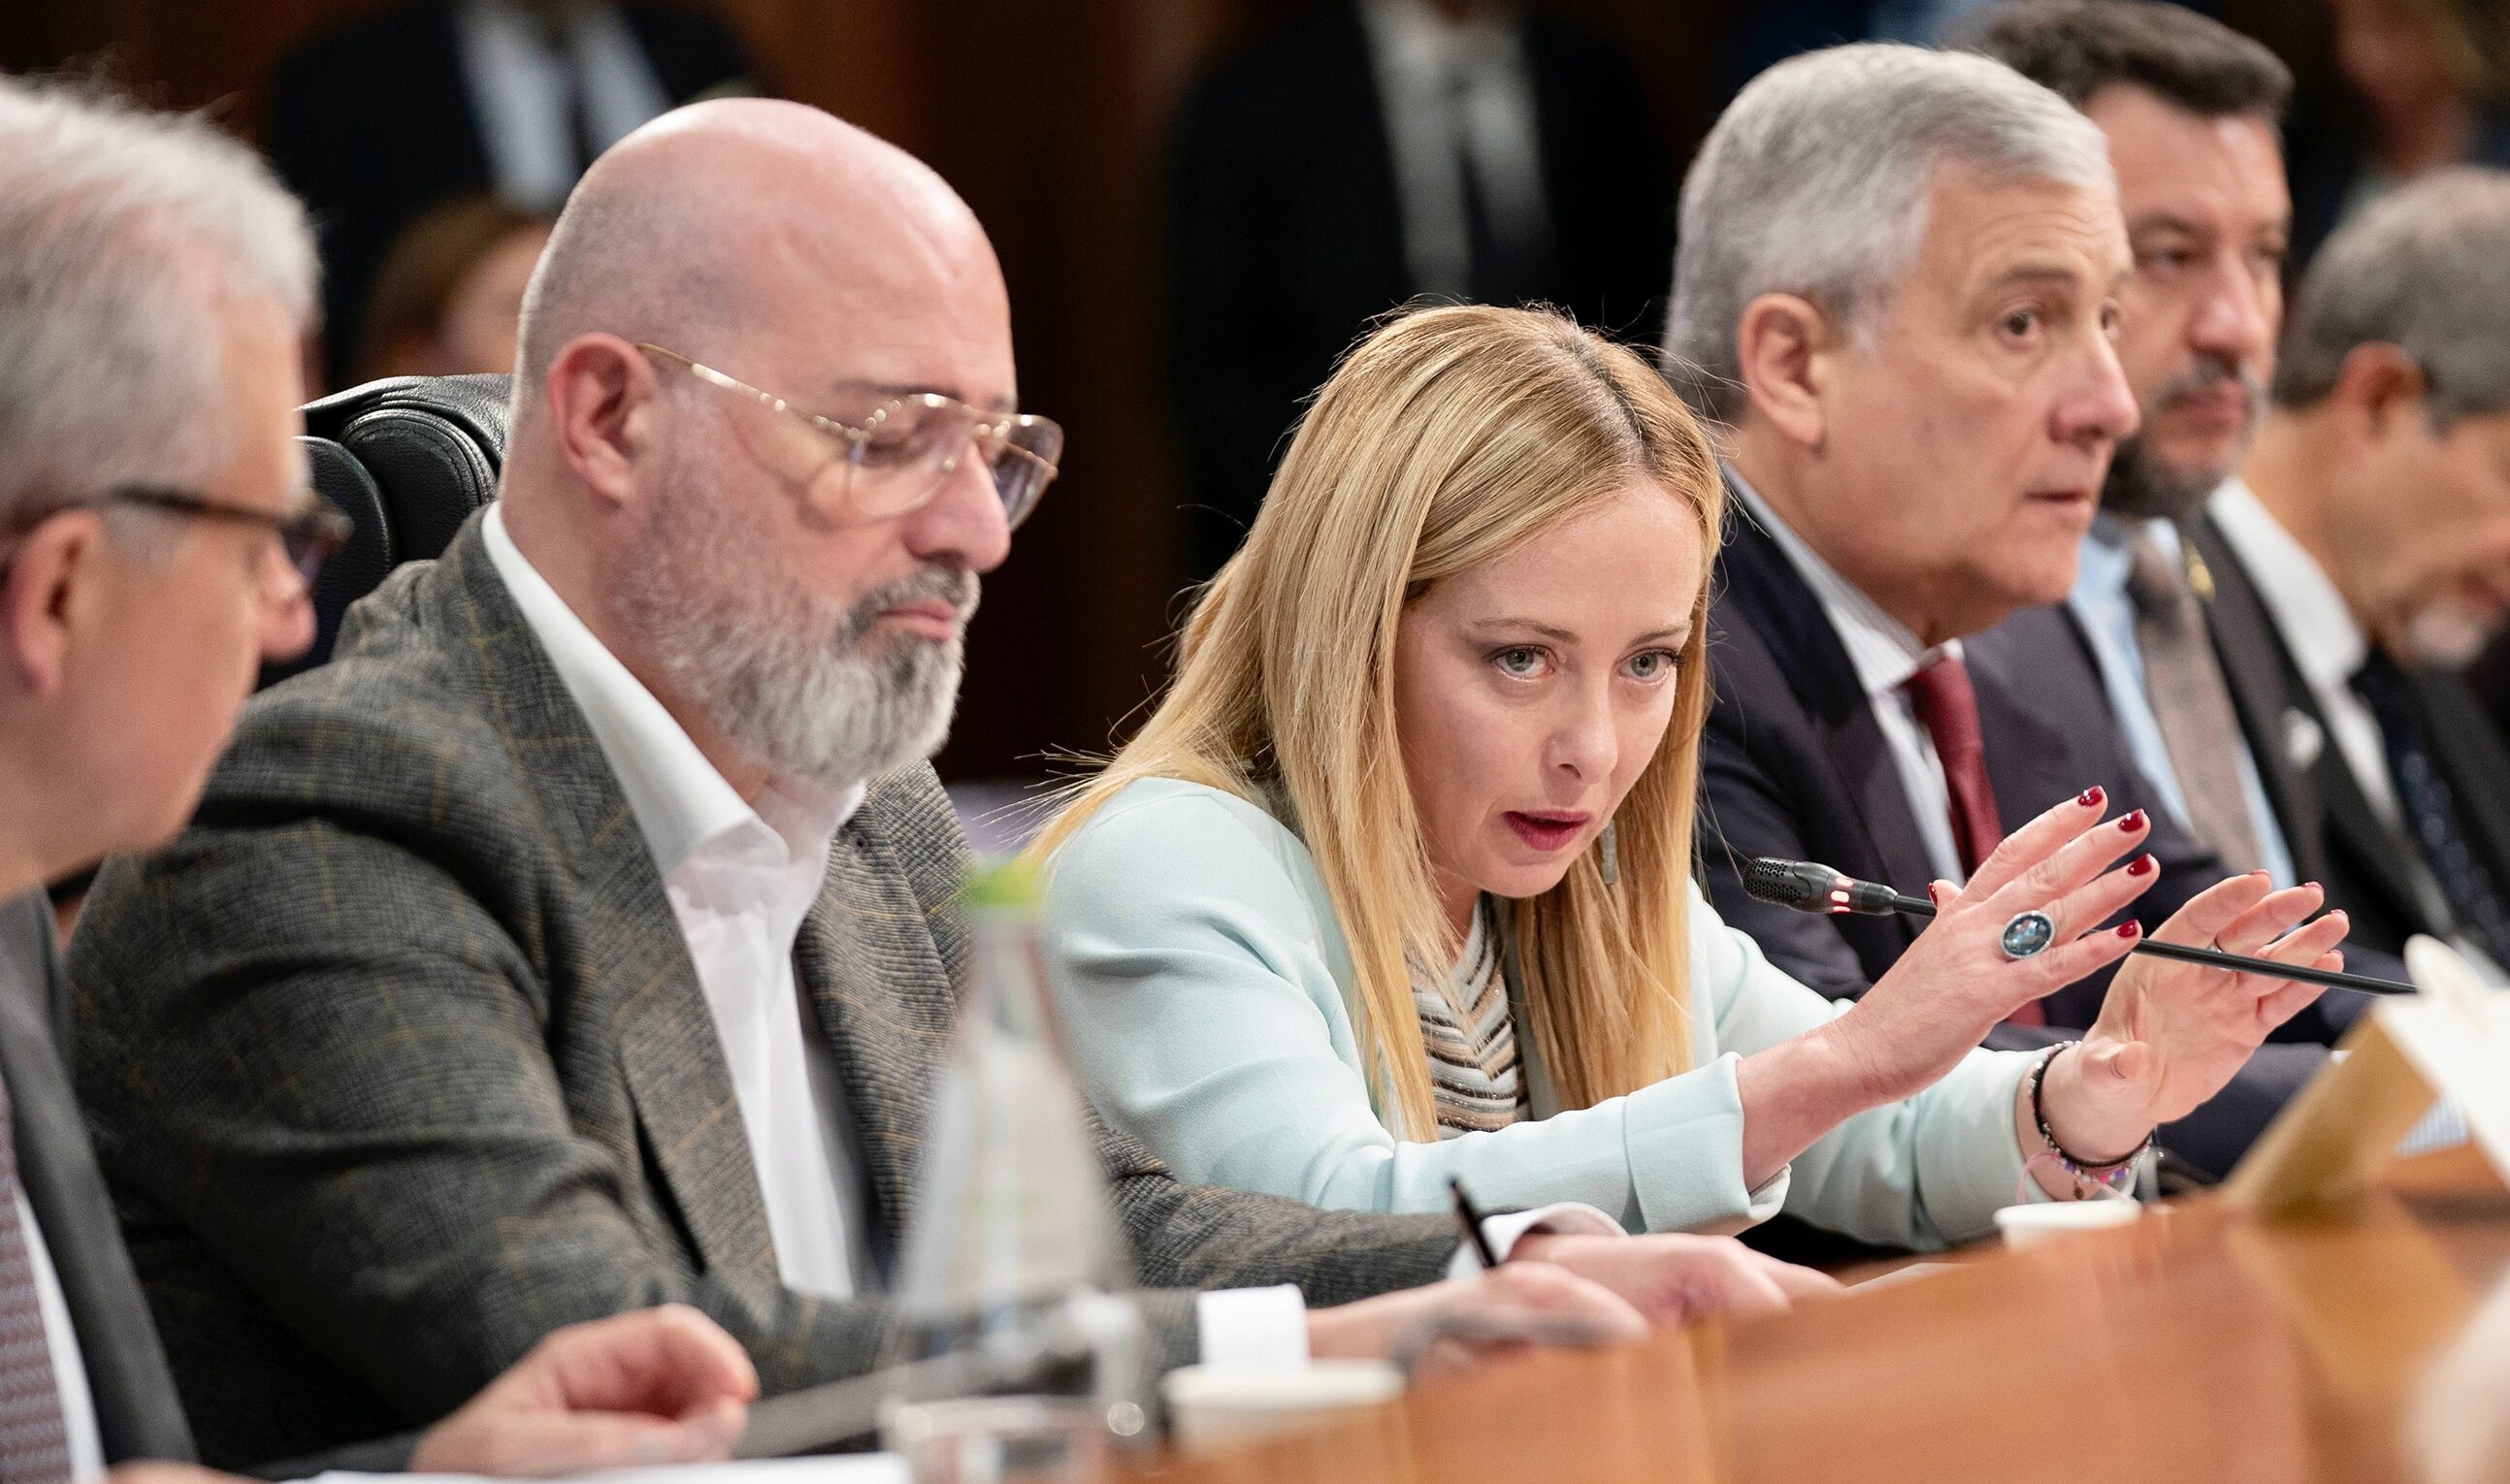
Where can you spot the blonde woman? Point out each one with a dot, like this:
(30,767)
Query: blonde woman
(1394,887)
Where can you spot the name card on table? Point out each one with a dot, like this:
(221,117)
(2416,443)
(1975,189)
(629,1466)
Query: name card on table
(2329,1146)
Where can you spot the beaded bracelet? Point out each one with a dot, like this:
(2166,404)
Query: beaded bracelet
(2103,1174)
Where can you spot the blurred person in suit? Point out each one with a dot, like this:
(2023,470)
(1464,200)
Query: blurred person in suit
(2187,667)
(2426,86)
(159,534)
(379,118)
(1375,152)
(449,298)
(585,934)
(2372,520)
(1902,318)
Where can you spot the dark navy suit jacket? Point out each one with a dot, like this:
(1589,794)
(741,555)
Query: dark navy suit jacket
(1794,764)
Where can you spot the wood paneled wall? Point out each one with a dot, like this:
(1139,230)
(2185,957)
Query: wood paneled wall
(1048,116)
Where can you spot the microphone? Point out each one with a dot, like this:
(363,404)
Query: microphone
(1810,886)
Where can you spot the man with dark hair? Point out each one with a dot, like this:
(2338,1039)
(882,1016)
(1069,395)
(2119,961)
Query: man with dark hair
(2175,641)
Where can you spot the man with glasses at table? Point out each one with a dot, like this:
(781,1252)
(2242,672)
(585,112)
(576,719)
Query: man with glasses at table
(156,542)
(584,934)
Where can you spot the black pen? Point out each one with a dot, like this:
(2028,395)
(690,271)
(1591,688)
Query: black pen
(1471,1220)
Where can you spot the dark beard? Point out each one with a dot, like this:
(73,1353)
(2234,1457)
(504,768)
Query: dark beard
(2139,489)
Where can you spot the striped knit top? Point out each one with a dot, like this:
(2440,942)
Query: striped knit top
(1471,1036)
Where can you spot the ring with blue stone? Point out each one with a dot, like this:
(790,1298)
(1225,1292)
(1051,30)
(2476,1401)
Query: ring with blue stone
(2027,935)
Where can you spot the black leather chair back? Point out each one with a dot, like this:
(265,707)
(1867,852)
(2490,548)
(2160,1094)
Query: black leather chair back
(408,460)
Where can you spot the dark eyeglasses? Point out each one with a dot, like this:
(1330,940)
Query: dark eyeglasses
(307,537)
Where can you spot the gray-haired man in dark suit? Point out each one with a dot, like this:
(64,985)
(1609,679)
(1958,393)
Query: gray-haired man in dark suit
(158,537)
(583,935)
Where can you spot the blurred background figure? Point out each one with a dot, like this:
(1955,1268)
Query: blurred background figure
(2426,84)
(451,293)
(376,120)
(1376,151)
(2373,521)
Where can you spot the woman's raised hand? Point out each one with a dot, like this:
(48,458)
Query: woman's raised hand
(1957,982)
(2170,1034)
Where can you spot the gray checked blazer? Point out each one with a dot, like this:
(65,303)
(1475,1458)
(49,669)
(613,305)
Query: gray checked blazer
(397,1060)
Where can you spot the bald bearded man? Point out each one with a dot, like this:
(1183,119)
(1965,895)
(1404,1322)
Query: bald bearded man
(583,935)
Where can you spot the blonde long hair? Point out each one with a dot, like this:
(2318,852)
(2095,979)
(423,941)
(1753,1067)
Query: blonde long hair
(1444,439)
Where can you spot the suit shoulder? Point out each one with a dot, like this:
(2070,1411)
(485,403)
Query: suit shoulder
(405,716)
(1162,838)
(1747,684)
(2029,639)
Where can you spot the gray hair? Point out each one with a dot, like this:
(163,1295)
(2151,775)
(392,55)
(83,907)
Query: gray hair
(1817,181)
(122,234)
(2425,269)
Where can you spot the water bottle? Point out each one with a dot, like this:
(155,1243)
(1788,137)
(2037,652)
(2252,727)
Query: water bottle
(1014,1269)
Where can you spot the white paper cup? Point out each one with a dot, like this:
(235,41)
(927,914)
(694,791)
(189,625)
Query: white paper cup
(1222,1407)
(2026,1225)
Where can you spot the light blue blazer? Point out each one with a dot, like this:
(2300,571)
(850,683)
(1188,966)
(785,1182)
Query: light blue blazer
(1209,997)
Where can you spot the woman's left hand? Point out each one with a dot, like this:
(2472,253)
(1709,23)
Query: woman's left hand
(2170,1035)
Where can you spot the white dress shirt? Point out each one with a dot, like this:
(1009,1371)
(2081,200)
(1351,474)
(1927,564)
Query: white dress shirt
(1887,656)
(1422,61)
(740,880)
(2106,609)
(521,83)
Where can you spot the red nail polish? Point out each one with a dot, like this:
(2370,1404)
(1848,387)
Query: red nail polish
(2130,928)
(2132,822)
(2092,797)
(2142,865)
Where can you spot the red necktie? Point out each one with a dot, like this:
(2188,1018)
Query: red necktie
(1949,708)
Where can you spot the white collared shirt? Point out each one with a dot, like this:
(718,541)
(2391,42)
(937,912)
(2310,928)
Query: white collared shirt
(1886,656)
(520,84)
(739,879)
(1421,60)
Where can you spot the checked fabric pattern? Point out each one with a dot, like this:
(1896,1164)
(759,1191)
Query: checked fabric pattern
(34,1439)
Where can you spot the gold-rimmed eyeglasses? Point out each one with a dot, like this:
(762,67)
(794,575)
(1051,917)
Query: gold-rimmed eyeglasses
(899,457)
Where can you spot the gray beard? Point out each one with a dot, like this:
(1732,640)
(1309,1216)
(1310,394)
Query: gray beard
(803,685)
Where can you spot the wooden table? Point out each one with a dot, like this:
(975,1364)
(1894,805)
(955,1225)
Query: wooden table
(2195,1345)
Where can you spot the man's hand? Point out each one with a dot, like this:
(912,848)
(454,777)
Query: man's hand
(1517,1297)
(1671,1278)
(661,1385)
